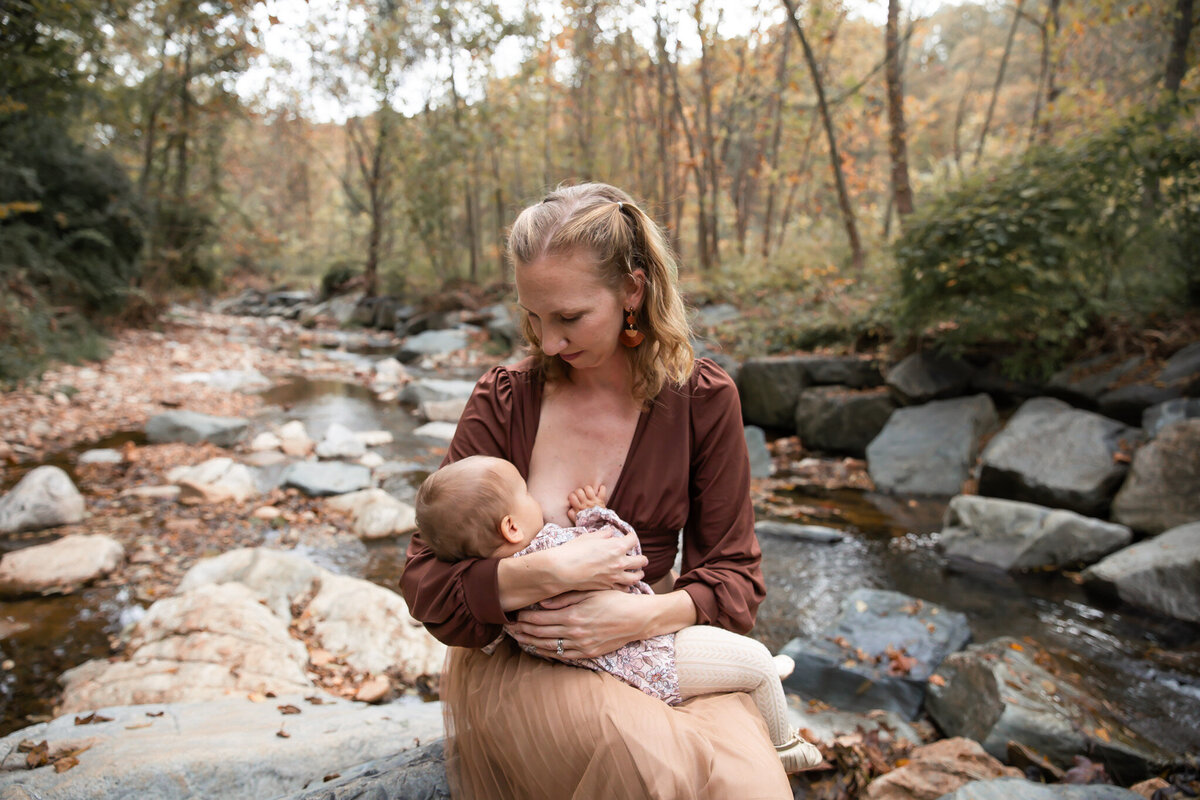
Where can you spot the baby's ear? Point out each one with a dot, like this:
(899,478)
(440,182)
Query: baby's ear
(509,530)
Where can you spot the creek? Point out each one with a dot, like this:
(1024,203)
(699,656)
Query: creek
(1146,667)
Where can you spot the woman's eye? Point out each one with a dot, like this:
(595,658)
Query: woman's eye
(570,319)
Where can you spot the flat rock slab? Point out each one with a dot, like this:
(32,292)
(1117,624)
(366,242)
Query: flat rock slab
(192,427)
(326,478)
(877,654)
(59,566)
(44,498)
(222,748)
(416,774)
(794,530)
(1021,789)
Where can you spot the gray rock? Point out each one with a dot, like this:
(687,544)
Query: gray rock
(997,692)
(1163,487)
(193,427)
(104,455)
(437,430)
(922,377)
(1011,535)
(710,316)
(1183,368)
(228,747)
(1021,789)
(421,391)
(847,664)
(851,371)
(318,479)
(769,389)
(228,380)
(1083,383)
(442,410)
(1054,455)
(416,774)
(44,498)
(793,530)
(837,419)
(930,449)
(1129,403)
(760,457)
(59,566)
(1159,416)
(428,343)
(1160,574)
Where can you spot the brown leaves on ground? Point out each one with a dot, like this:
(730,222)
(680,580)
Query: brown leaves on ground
(851,763)
(62,755)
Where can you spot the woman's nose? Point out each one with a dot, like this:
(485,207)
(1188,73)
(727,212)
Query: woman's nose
(553,341)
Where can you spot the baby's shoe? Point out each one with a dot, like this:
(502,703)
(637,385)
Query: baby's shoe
(798,754)
(784,665)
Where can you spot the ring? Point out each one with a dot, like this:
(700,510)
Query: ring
(560,650)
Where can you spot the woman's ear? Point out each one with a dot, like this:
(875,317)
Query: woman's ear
(509,530)
(634,289)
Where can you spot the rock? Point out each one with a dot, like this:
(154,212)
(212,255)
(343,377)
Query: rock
(276,576)
(371,460)
(937,769)
(713,315)
(104,455)
(229,747)
(828,724)
(1021,789)
(375,513)
(228,380)
(877,653)
(374,438)
(1054,455)
(265,441)
(998,692)
(263,461)
(418,392)
(202,644)
(1160,574)
(930,449)
(760,457)
(442,410)
(44,498)
(791,530)
(1129,403)
(1085,382)
(1147,788)
(1015,536)
(318,479)
(214,481)
(1159,416)
(340,442)
(836,419)
(59,566)
(192,427)
(389,372)
(1163,487)
(374,689)
(769,389)
(429,343)
(922,377)
(153,492)
(437,430)
(266,513)
(294,439)
(417,774)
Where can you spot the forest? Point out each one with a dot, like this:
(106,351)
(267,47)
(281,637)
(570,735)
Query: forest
(1019,175)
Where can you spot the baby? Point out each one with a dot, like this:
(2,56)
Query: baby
(480,507)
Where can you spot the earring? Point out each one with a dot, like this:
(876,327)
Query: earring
(631,336)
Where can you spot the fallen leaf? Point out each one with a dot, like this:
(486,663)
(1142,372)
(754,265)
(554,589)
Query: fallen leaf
(282,734)
(288,709)
(138,726)
(92,719)
(937,680)
(1103,735)
(64,764)
(154,713)
(38,756)
(1016,646)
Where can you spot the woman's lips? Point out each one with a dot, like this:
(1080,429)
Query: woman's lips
(571,357)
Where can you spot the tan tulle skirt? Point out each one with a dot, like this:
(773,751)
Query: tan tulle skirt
(522,728)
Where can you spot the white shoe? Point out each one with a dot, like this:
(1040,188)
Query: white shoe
(797,754)
(784,665)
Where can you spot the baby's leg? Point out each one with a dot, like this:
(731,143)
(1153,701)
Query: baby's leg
(712,660)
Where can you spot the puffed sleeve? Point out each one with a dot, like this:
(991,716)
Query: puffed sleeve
(459,603)
(722,562)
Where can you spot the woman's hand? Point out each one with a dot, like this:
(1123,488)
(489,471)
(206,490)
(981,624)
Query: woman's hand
(589,624)
(598,560)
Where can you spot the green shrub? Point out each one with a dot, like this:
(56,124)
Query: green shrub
(1031,256)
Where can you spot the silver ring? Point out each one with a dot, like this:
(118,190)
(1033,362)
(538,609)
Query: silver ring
(560,650)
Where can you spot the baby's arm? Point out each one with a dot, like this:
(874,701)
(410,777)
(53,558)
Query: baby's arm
(585,497)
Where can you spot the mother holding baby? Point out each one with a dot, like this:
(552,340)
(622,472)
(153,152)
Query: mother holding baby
(611,395)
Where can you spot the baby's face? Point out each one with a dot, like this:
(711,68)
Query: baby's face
(524,509)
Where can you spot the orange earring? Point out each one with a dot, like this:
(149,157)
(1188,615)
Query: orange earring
(631,336)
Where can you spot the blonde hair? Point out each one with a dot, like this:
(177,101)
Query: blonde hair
(605,222)
(460,507)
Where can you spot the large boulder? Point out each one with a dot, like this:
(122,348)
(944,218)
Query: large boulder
(938,768)
(59,566)
(1163,487)
(374,513)
(769,389)
(320,479)
(922,377)
(44,498)
(998,692)
(192,427)
(837,419)
(877,653)
(930,449)
(1159,416)
(1054,455)
(416,774)
(203,644)
(1085,382)
(226,747)
(1160,574)
(1016,536)
(1021,789)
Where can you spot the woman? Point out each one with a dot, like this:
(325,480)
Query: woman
(611,395)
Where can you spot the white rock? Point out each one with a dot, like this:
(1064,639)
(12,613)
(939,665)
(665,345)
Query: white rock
(443,410)
(104,455)
(44,498)
(265,441)
(375,513)
(215,480)
(437,430)
(340,442)
(374,438)
(371,460)
(64,564)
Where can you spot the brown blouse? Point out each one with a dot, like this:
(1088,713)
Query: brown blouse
(687,469)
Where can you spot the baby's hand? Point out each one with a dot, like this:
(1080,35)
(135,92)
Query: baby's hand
(586,497)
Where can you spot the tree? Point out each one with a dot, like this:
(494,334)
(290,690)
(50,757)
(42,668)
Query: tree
(897,140)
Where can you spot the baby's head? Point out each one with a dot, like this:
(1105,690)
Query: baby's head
(476,508)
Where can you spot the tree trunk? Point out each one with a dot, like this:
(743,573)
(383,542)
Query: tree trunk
(856,251)
(1046,74)
(987,119)
(771,163)
(1177,57)
(708,150)
(897,140)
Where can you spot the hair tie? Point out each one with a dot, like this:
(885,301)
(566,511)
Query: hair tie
(620,206)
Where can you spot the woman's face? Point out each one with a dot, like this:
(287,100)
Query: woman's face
(574,314)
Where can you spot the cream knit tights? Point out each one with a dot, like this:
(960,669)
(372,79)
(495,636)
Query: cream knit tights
(712,660)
